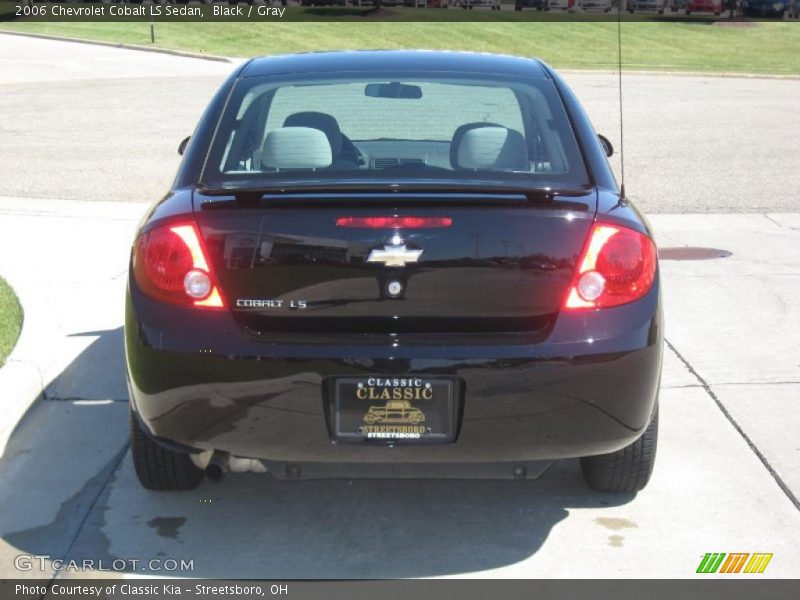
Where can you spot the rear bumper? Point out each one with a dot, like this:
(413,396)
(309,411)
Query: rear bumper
(589,388)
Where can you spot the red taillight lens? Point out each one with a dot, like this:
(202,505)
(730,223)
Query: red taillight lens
(394,222)
(618,265)
(170,264)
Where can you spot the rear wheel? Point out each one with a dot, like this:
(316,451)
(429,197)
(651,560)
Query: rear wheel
(157,467)
(626,470)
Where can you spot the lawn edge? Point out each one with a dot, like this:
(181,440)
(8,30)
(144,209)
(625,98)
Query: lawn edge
(234,60)
(121,45)
(21,321)
(20,380)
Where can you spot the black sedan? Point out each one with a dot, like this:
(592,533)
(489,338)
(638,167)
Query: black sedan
(394,264)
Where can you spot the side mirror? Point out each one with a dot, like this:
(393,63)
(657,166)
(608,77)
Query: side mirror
(182,145)
(606,145)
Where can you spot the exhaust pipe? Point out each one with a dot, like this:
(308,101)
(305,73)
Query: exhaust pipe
(216,467)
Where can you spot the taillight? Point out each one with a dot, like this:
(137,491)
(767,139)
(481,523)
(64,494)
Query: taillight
(618,265)
(170,264)
(390,222)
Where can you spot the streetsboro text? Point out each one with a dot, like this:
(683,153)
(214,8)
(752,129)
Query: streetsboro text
(132,589)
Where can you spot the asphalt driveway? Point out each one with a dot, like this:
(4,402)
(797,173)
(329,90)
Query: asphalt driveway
(727,476)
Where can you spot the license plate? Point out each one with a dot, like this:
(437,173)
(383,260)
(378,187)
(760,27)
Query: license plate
(394,409)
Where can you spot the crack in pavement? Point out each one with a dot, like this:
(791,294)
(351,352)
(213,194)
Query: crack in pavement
(705,385)
(106,474)
(57,539)
(772,220)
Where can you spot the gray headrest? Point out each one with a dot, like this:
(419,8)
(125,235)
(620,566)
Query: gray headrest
(296,148)
(458,134)
(492,148)
(317,120)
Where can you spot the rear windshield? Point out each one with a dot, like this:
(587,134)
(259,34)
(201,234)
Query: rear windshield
(394,128)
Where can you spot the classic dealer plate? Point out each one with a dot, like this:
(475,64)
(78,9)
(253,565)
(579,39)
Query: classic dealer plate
(407,409)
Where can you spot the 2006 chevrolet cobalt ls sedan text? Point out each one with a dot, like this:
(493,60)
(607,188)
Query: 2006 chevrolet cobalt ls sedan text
(402,264)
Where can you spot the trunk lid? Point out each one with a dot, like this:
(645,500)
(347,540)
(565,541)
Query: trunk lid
(501,264)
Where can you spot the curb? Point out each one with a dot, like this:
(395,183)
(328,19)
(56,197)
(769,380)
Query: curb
(181,53)
(35,362)
(20,381)
(21,388)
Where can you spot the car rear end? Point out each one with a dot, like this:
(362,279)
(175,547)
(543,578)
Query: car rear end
(647,5)
(712,6)
(482,319)
(596,5)
(537,4)
(491,4)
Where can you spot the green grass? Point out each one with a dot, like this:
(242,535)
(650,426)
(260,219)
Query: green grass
(10,320)
(770,48)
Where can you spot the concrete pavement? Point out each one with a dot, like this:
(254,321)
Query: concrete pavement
(95,123)
(62,280)
(729,413)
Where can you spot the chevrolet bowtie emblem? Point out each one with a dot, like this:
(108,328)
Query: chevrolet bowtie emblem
(394,255)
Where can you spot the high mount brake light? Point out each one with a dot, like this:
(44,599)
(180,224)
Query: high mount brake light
(618,265)
(170,264)
(382,222)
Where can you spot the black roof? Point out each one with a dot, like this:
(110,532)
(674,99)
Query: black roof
(395,61)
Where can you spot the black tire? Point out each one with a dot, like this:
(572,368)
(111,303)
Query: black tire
(157,467)
(627,470)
